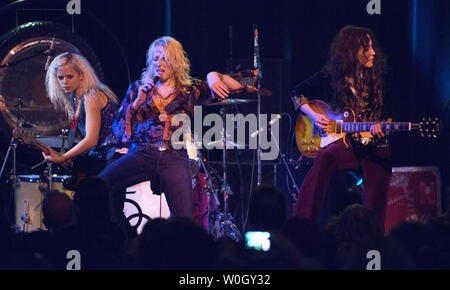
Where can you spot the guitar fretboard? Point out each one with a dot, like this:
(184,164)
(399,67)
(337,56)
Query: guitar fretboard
(365,126)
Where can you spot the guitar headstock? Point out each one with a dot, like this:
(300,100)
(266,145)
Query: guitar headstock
(27,136)
(430,127)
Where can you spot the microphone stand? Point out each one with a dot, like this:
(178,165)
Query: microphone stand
(281,155)
(285,162)
(257,65)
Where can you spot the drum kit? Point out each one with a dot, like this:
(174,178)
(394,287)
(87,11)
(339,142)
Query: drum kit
(30,189)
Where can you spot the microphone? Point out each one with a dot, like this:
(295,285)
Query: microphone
(50,53)
(155,80)
(253,135)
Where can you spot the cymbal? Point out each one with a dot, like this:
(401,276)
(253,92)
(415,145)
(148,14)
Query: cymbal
(220,143)
(231,102)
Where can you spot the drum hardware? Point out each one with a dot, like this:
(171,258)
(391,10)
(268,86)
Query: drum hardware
(13,145)
(231,102)
(225,188)
(214,143)
(26,219)
(220,223)
(30,193)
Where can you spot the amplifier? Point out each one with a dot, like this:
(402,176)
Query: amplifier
(414,195)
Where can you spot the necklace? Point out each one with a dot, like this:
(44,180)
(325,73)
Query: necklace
(167,96)
(162,103)
(163,99)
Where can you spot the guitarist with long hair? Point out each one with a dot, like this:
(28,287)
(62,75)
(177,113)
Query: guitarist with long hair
(72,85)
(352,78)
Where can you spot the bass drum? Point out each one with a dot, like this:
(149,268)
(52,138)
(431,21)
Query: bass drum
(22,78)
(28,200)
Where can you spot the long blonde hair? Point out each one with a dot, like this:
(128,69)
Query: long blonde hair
(174,54)
(90,84)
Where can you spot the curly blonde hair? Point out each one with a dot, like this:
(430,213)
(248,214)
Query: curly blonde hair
(173,53)
(90,83)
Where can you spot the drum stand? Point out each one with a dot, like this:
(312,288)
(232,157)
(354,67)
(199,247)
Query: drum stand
(13,177)
(209,190)
(13,145)
(227,226)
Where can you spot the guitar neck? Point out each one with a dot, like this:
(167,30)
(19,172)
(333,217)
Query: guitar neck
(355,127)
(41,146)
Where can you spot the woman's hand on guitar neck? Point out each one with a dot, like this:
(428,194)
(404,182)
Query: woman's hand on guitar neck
(376,131)
(55,157)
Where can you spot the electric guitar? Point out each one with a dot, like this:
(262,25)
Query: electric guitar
(27,137)
(311,139)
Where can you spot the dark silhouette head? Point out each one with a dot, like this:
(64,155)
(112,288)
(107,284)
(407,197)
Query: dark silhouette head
(267,209)
(174,244)
(92,199)
(356,223)
(312,241)
(58,210)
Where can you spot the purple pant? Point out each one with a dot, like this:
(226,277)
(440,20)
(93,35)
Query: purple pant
(376,169)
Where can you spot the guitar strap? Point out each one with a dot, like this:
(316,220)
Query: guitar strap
(74,123)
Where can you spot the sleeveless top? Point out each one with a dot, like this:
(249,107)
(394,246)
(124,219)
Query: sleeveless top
(107,141)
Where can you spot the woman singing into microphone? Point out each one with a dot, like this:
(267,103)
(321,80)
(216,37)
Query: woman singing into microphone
(165,89)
